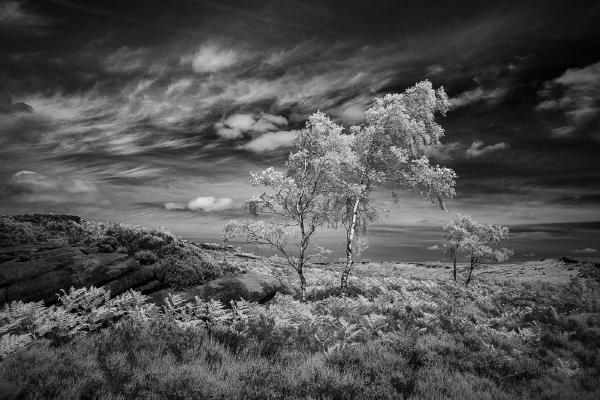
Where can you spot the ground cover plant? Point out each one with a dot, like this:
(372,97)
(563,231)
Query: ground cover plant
(389,337)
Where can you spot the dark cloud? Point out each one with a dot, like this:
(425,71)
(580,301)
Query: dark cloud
(158,104)
(17,17)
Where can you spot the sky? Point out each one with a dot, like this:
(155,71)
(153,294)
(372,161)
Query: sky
(154,112)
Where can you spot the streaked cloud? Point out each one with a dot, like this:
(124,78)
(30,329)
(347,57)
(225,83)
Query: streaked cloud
(435,69)
(31,186)
(126,59)
(175,206)
(576,95)
(179,86)
(478,94)
(235,125)
(271,141)
(477,148)
(211,58)
(587,250)
(17,15)
(353,112)
(202,204)
(445,151)
(210,203)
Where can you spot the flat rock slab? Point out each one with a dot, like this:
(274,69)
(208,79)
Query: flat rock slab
(37,271)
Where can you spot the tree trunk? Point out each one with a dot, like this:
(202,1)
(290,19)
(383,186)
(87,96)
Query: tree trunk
(303,244)
(349,251)
(454,271)
(470,272)
(345,275)
(302,285)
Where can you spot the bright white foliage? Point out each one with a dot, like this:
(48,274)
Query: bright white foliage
(390,149)
(298,199)
(391,146)
(78,311)
(479,242)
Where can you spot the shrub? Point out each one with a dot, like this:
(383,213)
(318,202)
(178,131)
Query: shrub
(73,232)
(189,269)
(150,242)
(128,235)
(122,250)
(107,244)
(146,257)
(13,232)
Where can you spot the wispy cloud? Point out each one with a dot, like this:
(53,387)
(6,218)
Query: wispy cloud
(587,250)
(457,151)
(445,151)
(271,141)
(210,203)
(126,59)
(31,187)
(575,94)
(478,94)
(434,70)
(16,15)
(477,149)
(212,58)
(204,204)
(236,125)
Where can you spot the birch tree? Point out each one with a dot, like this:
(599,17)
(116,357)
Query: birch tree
(479,243)
(457,232)
(297,200)
(482,245)
(390,151)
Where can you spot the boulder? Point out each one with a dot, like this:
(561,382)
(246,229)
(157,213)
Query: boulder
(216,246)
(249,286)
(37,271)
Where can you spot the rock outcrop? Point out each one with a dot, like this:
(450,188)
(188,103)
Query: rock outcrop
(249,286)
(37,271)
(42,254)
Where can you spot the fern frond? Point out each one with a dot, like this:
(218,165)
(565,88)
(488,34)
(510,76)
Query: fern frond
(83,299)
(11,343)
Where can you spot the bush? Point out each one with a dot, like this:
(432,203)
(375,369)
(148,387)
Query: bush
(150,242)
(13,232)
(107,244)
(146,257)
(188,270)
(73,232)
(134,235)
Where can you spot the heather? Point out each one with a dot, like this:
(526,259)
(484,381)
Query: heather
(389,336)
